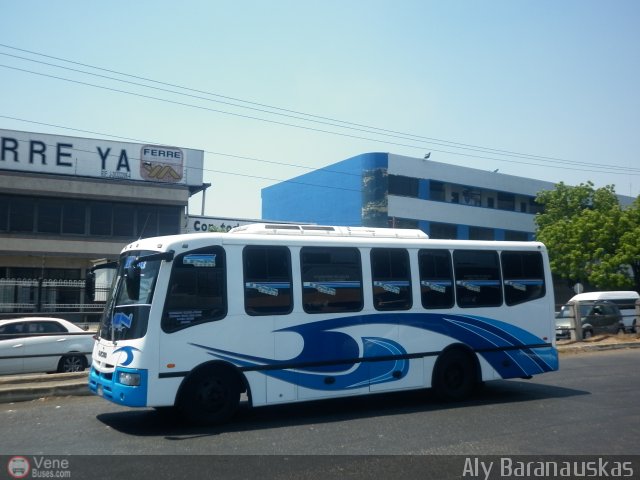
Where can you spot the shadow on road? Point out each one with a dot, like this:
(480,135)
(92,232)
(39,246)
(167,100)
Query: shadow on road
(164,423)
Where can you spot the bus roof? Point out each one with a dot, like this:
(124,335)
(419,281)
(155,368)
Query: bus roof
(326,235)
(328,230)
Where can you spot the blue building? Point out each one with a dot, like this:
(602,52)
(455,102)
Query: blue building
(388,190)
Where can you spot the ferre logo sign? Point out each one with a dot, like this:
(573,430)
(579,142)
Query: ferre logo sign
(85,157)
(164,164)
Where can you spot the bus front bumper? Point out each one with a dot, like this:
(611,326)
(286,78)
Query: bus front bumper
(124,386)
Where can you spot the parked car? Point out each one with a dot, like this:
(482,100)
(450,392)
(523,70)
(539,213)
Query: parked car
(596,317)
(43,344)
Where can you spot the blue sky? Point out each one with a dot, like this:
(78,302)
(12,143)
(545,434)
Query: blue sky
(556,82)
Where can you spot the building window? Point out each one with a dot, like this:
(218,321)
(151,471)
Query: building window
(396,222)
(101,215)
(403,186)
(123,220)
(481,233)
(73,218)
(21,214)
(391,277)
(523,207)
(447,231)
(147,222)
(436,191)
(506,201)
(535,207)
(4,213)
(168,220)
(491,202)
(514,236)
(455,197)
(49,217)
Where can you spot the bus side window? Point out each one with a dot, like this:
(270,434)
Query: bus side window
(331,279)
(436,278)
(267,280)
(477,274)
(197,291)
(391,277)
(523,276)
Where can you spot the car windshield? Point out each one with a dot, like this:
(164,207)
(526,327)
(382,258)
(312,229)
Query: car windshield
(567,310)
(126,318)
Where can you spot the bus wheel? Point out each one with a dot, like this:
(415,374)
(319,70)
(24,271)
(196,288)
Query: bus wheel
(454,375)
(210,396)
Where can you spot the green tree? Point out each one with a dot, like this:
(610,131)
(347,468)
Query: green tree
(590,237)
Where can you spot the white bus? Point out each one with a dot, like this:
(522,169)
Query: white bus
(288,313)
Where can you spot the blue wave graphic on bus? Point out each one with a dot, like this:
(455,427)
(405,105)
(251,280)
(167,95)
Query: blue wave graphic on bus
(317,360)
(510,350)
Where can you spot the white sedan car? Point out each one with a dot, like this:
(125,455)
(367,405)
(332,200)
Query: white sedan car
(42,344)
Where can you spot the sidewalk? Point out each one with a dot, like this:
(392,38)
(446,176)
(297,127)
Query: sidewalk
(20,388)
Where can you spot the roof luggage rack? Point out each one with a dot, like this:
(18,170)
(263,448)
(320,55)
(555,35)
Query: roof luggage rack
(327,230)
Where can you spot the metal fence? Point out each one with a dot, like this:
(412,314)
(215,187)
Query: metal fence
(51,297)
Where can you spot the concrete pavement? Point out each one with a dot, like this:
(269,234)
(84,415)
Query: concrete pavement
(20,388)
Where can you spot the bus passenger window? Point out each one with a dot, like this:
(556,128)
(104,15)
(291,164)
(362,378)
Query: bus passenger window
(391,277)
(477,274)
(267,280)
(523,276)
(197,289)
(331,279)
(436,278)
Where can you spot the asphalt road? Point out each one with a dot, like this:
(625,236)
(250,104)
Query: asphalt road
(590,406)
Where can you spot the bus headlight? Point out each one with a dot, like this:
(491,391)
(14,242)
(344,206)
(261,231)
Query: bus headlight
(128,378)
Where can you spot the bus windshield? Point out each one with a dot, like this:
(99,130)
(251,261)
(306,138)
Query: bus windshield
(126,318)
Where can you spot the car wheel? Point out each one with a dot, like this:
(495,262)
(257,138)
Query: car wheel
(454,375)
(633,327)
(587,334)
(209,396)
(72,363)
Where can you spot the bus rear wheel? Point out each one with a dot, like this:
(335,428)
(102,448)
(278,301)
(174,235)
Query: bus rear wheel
(454,375)
(210,396)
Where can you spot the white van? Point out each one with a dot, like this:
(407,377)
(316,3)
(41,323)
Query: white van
(625,301)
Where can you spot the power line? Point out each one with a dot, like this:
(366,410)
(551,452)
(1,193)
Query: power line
(330,122)
(346,124)
(230,155)
(431,139)
(203,169)
(174,102)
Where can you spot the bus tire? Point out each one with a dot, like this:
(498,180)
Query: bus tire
(210,396)
(454,375)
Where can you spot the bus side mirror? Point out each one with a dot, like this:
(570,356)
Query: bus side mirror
(90,286)
(132,280)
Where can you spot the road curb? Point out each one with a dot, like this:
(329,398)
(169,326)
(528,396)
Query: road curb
(596,347)
(21,388)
